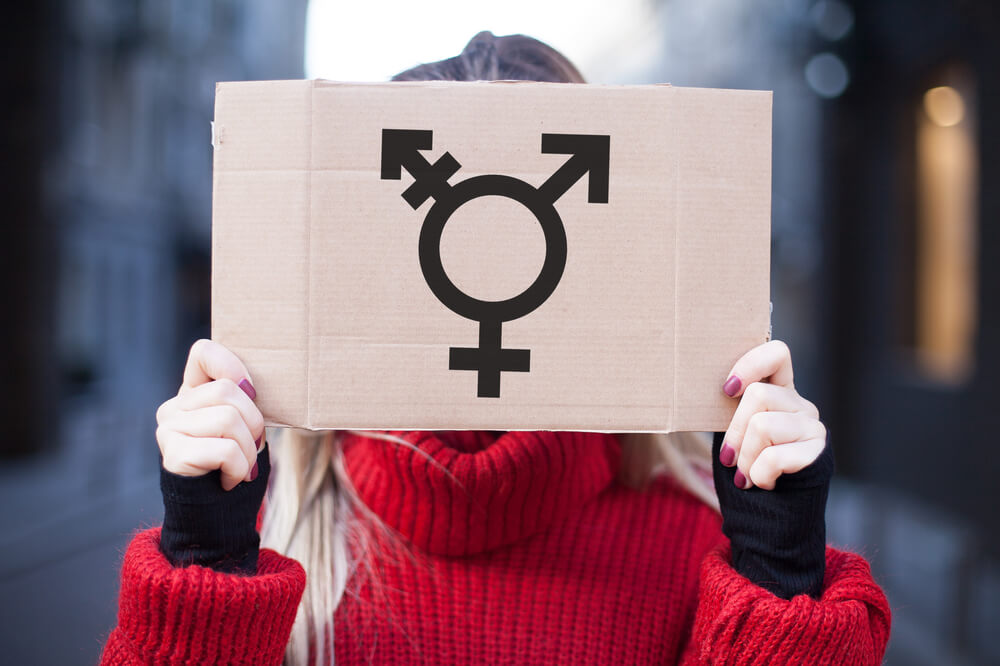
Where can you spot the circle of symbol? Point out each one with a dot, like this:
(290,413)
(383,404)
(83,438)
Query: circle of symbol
(430,248)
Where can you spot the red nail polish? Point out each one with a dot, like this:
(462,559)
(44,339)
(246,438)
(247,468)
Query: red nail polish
(727,455)
(254,472)
(732,386)
(739,480)
(248,388)
(257,441)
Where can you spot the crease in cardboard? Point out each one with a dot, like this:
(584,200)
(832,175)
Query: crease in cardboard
(309,312)
(425,426)
(332,83)
(677,262)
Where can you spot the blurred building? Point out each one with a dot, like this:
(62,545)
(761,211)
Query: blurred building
(105,278)
(113,167)
(128,183)
(913,321)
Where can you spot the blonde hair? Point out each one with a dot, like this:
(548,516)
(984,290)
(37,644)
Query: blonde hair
(315,516)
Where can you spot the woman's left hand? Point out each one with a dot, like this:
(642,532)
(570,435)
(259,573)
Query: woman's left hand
(775,431)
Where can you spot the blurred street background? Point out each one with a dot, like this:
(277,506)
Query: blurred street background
(885,265)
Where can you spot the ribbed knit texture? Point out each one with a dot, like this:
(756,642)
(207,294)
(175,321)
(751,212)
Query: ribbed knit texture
(466,491)
(740,623)
(778,537)
(531,554)
(207,525)
(195,615)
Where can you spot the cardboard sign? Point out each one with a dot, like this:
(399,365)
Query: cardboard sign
(493,256)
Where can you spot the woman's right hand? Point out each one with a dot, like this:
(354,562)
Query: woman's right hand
(212,423)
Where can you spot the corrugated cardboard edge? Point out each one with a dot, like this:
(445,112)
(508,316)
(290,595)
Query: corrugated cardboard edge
(676,220)
(309,262)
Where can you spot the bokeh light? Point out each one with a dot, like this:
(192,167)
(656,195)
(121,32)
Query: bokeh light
(944,106)
(827,75)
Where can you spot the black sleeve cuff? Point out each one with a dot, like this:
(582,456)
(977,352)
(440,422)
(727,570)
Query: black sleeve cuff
(206,525)
(778,536)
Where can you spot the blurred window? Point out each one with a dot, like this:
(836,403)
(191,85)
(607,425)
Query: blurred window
(945,236)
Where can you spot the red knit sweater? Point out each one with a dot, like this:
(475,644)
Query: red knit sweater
(520,550)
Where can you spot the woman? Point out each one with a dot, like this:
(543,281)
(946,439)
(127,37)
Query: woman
(487,547)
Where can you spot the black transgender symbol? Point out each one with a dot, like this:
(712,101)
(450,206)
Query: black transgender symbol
(401,150)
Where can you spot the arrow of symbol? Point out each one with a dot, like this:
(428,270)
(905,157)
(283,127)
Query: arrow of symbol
(401,150)
(590,152)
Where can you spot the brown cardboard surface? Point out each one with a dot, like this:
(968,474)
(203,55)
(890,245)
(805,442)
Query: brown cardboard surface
(319,286)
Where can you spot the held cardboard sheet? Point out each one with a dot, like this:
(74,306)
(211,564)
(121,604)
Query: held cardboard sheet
(490,255)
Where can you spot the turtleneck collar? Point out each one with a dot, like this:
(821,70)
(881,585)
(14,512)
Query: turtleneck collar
(465,492)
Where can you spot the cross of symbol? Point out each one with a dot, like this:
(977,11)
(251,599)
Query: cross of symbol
(489,359)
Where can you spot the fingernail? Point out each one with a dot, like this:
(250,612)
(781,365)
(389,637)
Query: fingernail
(732,386)
(727,455)
(254,471)
(257,441)
(249,389)
(739,480)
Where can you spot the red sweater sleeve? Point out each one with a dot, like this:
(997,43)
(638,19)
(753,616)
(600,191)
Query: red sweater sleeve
(195,615)
(738,622)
